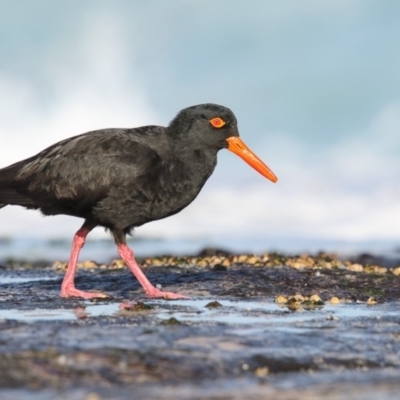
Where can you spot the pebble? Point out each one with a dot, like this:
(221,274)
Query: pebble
(396,271)
(261,371)
(371,301)
(281,300)
(304,261)
(334,300)
(315,298)
(355,268)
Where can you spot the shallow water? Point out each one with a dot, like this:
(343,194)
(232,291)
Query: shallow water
(5,280)
(237,313)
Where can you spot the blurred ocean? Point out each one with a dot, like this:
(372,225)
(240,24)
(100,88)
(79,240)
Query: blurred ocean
(104,250)
(314,85)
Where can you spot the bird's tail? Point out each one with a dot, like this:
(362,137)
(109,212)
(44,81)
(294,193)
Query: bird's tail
(9,193)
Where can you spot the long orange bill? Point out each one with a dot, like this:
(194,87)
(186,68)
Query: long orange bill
(236,145)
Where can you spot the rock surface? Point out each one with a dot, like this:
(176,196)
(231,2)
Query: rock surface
(256,327)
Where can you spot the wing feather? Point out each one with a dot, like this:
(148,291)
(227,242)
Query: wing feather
(81,170)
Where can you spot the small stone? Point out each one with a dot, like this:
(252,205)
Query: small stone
(334,300)
(219,268)
(315,298)
(375,269)
(252,260)
(213,304)
(396,271)
(281,300)
(117,264)
(88,264)
(134,305)
(157,262)
(380,270)
(240,259)
(371,301)
(59,265)
(202,263)
(261,371)
(294,306)
(215,260)
(171,321)
(171,261)
(297,298)
(226,262)
(355,268)
(313,301)
(294,263)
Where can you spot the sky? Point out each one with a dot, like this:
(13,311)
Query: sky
(315,86)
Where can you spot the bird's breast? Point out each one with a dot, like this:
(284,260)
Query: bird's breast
(178,185)
(155,194)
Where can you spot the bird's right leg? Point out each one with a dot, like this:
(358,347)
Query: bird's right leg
(68,288)
(127,255)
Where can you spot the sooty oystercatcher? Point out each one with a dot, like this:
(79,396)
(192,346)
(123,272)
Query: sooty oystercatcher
(123,178)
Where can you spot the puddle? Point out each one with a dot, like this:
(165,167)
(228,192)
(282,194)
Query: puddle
(58,314)
(265,313)
(232,312)
(6,280)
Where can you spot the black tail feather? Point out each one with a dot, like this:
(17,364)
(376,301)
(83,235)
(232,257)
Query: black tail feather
(12,197)
(8,195)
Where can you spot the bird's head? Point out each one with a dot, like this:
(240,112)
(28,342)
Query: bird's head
(214,126)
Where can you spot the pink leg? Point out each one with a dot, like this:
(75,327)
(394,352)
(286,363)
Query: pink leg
(127,255)
(68,288)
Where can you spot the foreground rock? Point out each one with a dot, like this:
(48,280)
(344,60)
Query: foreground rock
(255,327)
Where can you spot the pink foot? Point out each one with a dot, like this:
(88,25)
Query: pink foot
(127,255)
(74,292)
(156,293)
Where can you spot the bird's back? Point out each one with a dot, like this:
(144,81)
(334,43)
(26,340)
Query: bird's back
(114,177)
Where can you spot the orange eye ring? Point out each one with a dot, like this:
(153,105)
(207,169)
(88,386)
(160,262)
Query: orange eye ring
(217,122)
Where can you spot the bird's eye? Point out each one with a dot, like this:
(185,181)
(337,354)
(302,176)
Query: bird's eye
(217,122)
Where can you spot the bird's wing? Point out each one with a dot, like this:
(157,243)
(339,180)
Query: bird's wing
(83,168)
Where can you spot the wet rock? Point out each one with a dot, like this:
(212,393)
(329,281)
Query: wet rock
(213,251)
(371,301)
(323,331)
(372,259)
(171,321)
(219,268)
(213,304)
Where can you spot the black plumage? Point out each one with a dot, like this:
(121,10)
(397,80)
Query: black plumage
(123,178)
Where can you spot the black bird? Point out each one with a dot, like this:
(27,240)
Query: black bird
(123,178)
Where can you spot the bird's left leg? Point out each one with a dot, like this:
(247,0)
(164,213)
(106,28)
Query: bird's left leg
(127,255)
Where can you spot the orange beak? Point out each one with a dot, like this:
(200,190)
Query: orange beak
(236,145)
